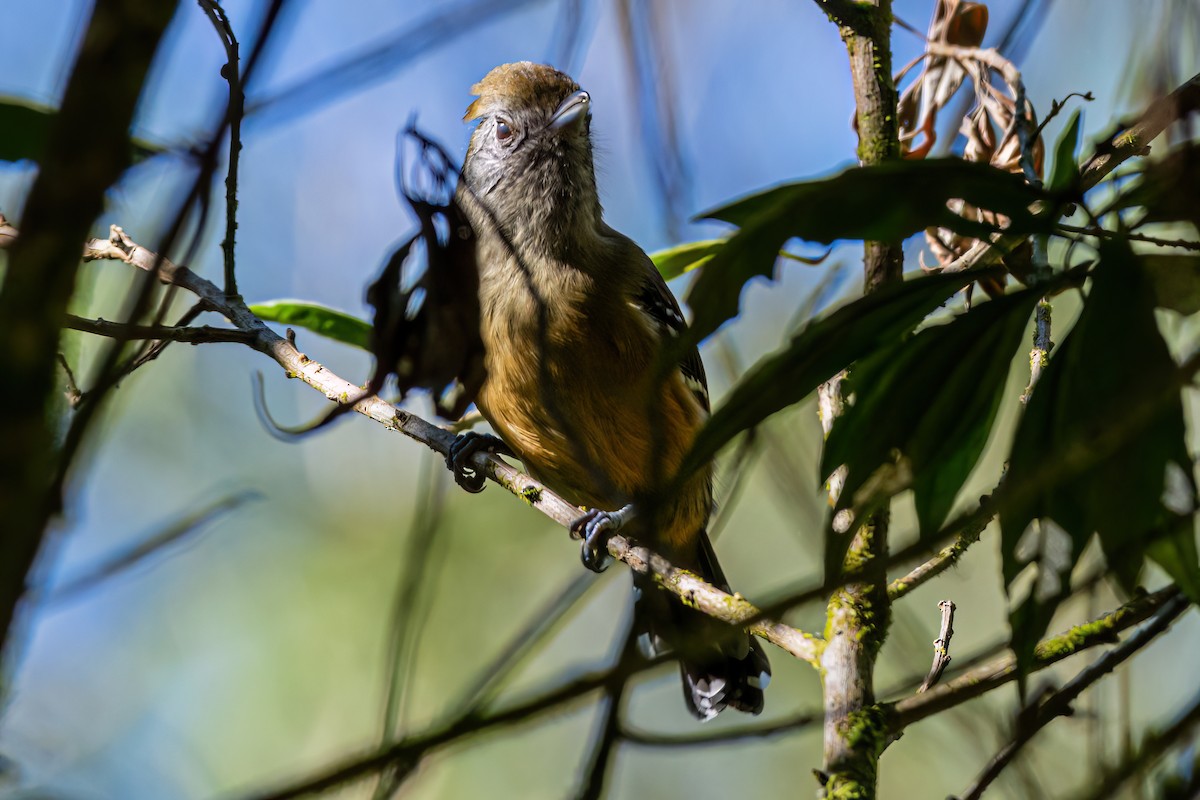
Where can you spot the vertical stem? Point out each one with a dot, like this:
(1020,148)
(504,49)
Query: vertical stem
(858,614)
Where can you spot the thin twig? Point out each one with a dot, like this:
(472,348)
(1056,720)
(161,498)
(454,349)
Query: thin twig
(1056,107)
(941,647)
(1103,233)
(946,558)
(236,110)
(203,334)
(72,391)
(1042,345)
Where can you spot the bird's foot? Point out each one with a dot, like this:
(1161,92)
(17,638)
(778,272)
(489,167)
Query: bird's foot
(466,445)
(596,527)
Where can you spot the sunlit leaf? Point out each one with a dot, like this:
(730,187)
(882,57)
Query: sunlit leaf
(674,261)
(328,322)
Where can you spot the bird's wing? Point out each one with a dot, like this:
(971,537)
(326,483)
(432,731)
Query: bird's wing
(655,300)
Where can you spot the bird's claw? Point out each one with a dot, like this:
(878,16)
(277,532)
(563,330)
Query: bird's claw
(458,458)
(595,528)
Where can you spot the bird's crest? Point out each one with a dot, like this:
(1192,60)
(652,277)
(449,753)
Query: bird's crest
(523,84)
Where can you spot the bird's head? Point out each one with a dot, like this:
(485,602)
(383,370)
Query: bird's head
(530,158)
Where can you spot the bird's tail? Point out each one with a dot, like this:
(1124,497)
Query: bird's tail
(722,666)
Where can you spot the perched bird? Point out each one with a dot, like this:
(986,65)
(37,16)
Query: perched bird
(573,317)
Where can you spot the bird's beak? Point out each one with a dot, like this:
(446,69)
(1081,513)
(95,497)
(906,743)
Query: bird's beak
(572,111)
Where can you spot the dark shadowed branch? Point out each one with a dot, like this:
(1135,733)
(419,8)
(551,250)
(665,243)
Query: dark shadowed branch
(1038,716)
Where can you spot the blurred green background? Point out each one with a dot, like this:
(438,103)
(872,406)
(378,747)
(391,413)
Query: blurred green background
(257,649)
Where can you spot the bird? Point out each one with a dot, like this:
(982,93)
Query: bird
(574,317)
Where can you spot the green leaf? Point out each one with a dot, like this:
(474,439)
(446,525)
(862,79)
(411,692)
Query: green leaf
(884,202)
(932,398)
(25,127)
(820,350)
(1096,450)
(328,322)
(1065,173)
(1175,280)
(674,261)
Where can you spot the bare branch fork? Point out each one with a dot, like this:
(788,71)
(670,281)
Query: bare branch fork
(941,646)
(253,332)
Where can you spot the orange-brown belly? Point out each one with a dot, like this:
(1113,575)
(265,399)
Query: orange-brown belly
(596,432)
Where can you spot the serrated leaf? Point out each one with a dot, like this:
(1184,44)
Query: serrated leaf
(1098,440)
(932,399)
(820,350)
(883,202)
(1065,172)
(328,322)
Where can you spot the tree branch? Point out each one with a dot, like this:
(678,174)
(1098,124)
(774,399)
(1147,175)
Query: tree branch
(687,585)
(1135,139)
(985,678)
(170,333)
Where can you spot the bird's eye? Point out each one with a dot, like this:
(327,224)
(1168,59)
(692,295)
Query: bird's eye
(503,131)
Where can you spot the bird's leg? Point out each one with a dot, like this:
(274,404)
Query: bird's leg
(596,527)
(458,459)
